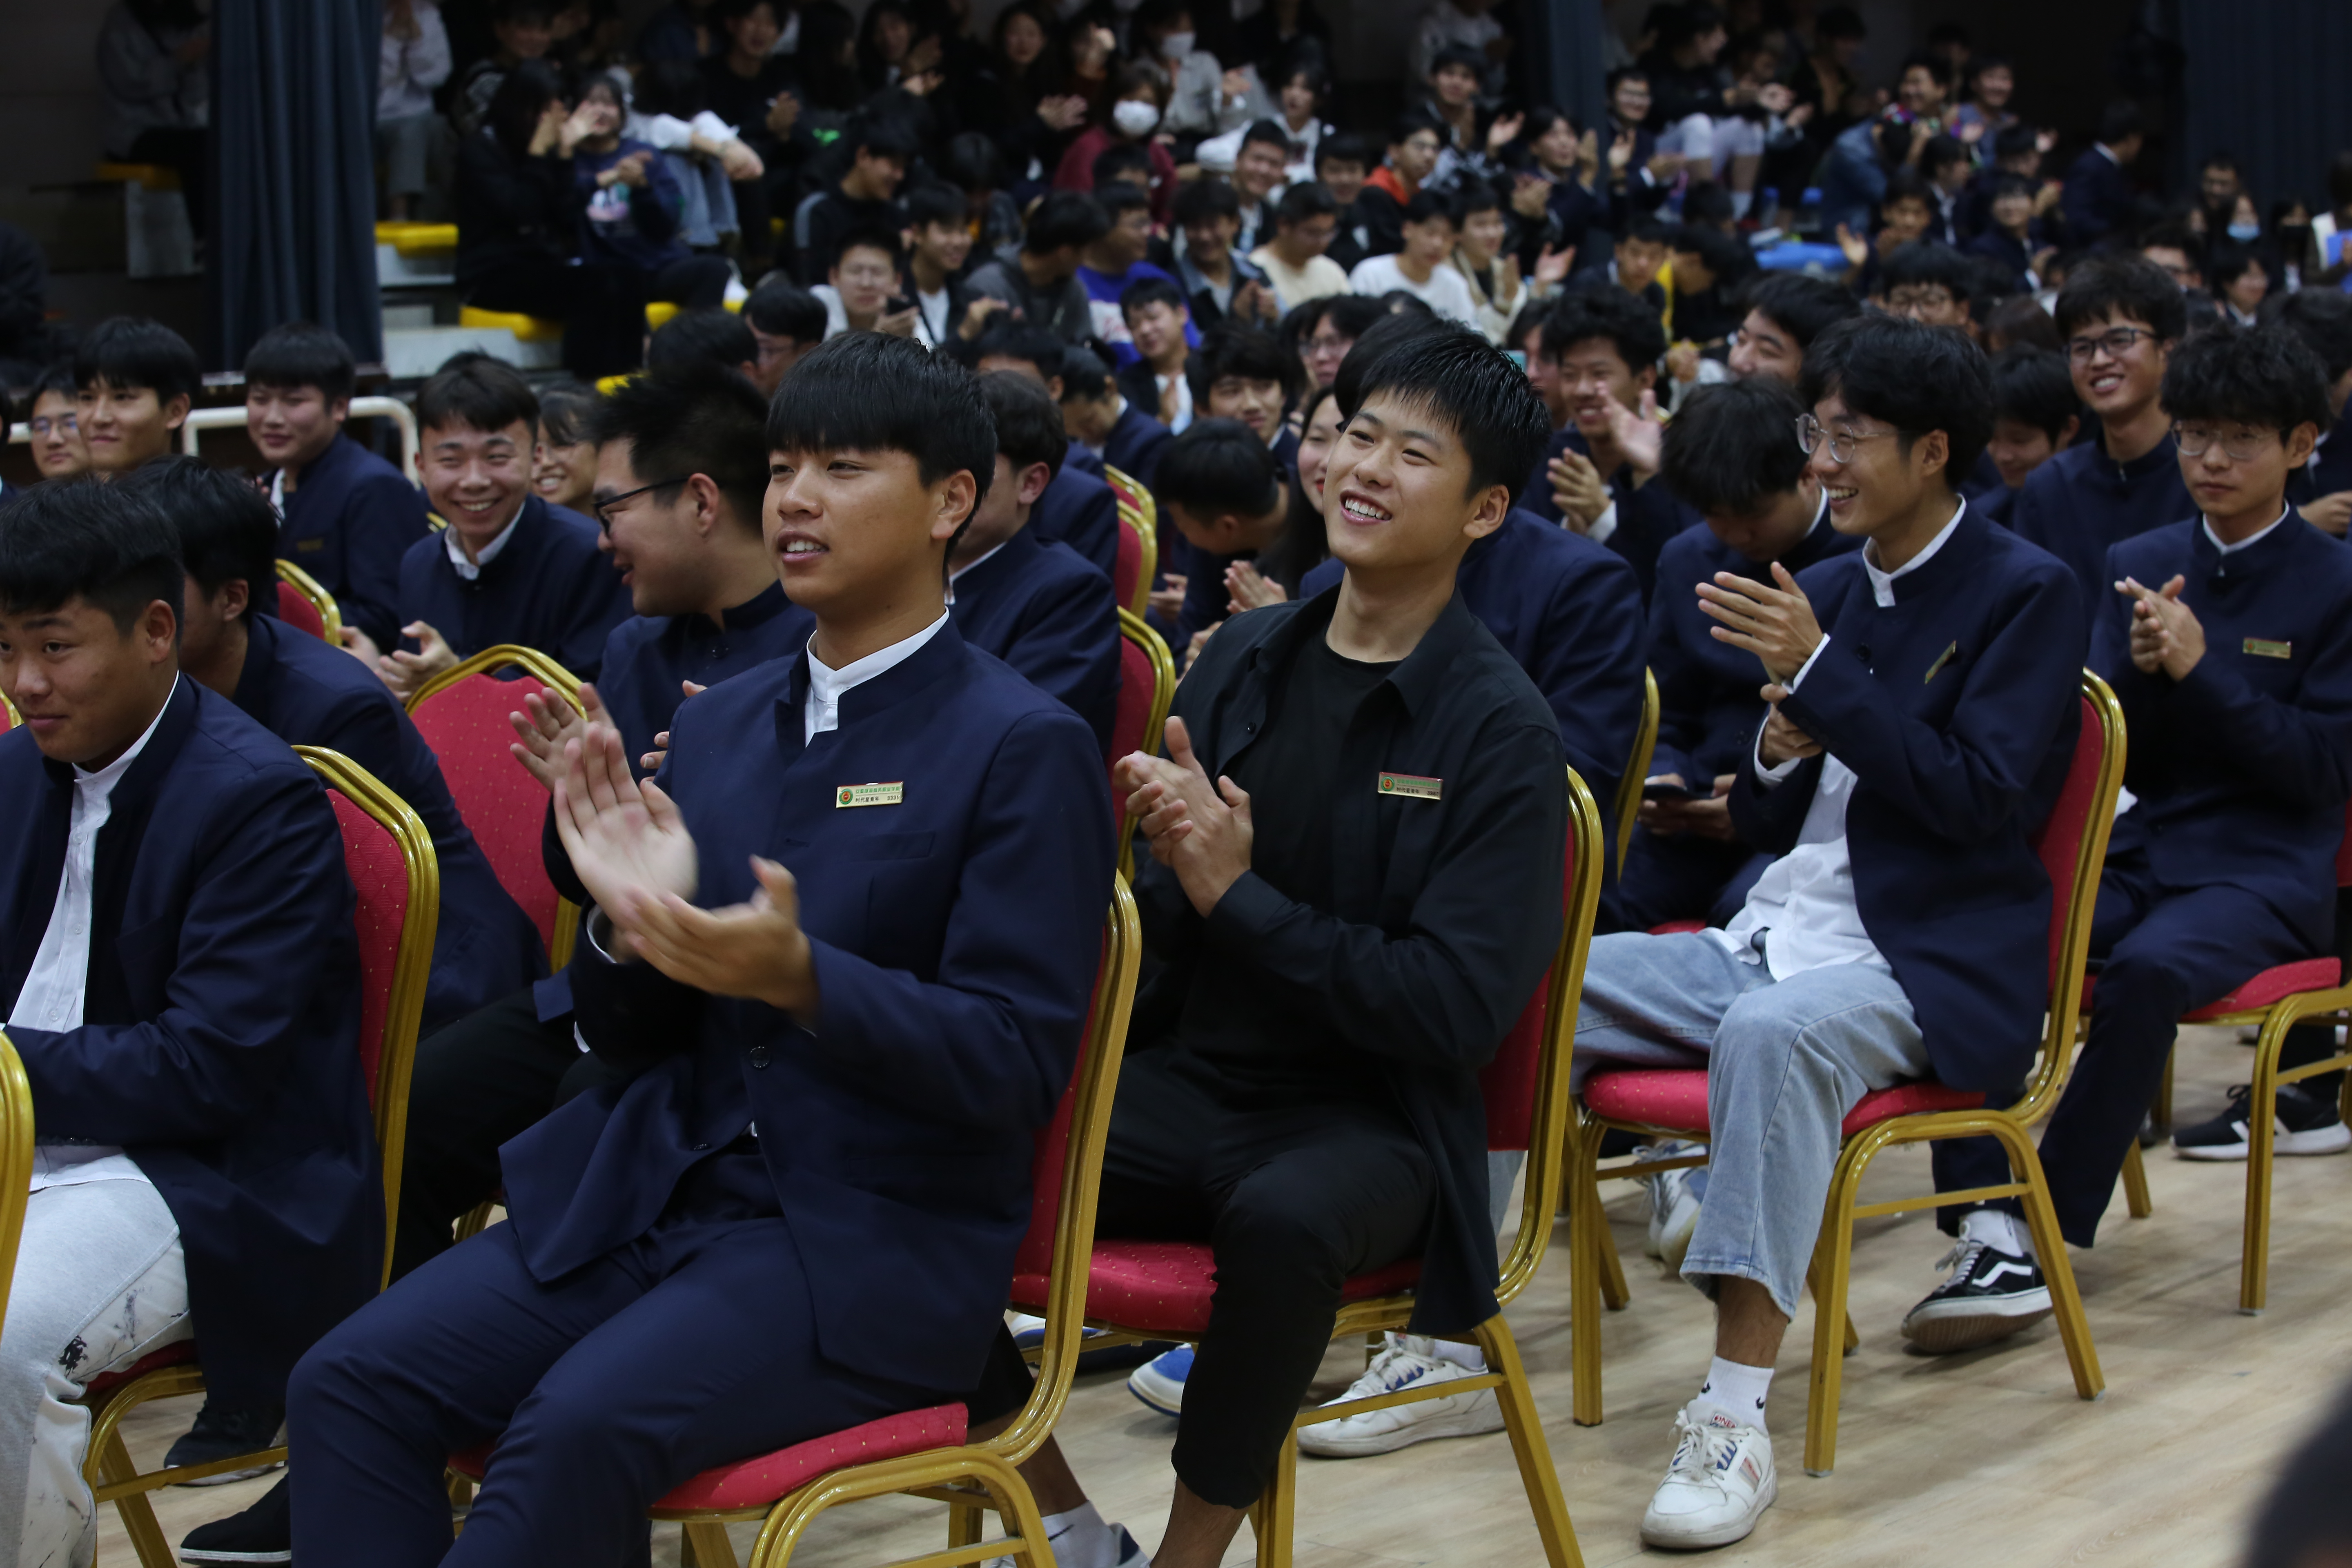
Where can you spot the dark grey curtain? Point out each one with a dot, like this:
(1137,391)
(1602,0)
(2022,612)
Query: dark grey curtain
(2268,83)
(294,132)
(1563,47)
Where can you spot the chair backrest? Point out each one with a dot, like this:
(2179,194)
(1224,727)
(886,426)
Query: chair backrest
(2344,853)
(7,715)
(2072,843)
(16,1163)
(1065,1176)
(462,714)
(1626,809)
(389,855)
(303,602)
(1526,1083)
(1147,686)
(1139,541)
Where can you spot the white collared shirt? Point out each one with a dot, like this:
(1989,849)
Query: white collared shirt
(2251,540)
(827,687)
(471,570)
(52,996)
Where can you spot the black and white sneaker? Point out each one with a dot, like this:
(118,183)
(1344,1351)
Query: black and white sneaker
(262,1533)
(2305,1123)
(1989,1295)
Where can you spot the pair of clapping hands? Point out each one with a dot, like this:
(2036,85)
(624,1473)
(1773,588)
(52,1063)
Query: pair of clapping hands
(1199,830)
(632,851)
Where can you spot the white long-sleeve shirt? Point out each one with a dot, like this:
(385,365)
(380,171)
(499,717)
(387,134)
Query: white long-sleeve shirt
(408,69)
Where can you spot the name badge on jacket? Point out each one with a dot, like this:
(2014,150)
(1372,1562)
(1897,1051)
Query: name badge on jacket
(869,794)
(1413,786)
(2261,647)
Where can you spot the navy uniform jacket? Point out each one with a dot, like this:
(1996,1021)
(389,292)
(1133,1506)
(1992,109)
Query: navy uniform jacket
(1646,516)
(1136,444)
(2082,502)
(349,520)
(1081,511)
(548,588)
(955,934)
(1084,458)
(2241,770)
(1958,709)
(220,1025)
(308,694)
(1050,616)
(2097,200)
(2329,470)
(1708,709)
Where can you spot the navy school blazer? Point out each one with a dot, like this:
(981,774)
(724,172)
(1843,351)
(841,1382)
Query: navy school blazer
(349,520)
(1708,709)
(1957,711)
(308,694)
(956,923)
(1082,512)
(1646,516)
(549,588)
(2082,501)
(2241,770)
(1136,444)
(1043,611)
(220,1027)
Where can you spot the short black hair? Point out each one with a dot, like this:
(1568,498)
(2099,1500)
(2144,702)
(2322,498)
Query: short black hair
(712,336)
(2032,386)
(2227,262)
(1066,218)
(126,352)
(1018,340)
(1906,185)
(1143,291)
(1382,333)
(2322,318)
(1731,448)
(1427,205)
(1929,261)
(1942,150)
(2015,142)
(1646,230)
(83,538)
(1121,196)
(1307,200)
(1458,56)
(1729,259)
(1621,75)
(2265,377)
(475,392)
(1476,196)
(971,162)
(1084,375)
(1029,427)
(693,418)
(299,354)
(1249,353)
(883,135)
(1219,467)
(566,410)
(1268,130)
(1120,162)
(2011,185)
(226,528)
(1411,123)
(868,237)
(2120,121)
(1916,377)
(1803,307)
(1205,199)
(1347,147)
(1707,203)
(876,393)
(932,202)
(2176,237)
(2129,286)
(1629,325)
(782,310)
(1462,379)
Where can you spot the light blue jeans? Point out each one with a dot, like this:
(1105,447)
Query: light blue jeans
(1785,1061)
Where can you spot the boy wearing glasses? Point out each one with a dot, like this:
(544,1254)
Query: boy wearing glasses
(2228,639)
(2120,317)
(1920,720)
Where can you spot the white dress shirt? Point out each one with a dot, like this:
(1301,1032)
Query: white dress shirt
(52,996)
(1805,899)
(822,712)
(2251,540)
(470,570)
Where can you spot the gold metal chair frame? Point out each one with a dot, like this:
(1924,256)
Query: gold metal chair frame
(1139,511)
(1133,628)
(9,708)
(549,674)
(1594,1269)
(320,599)
(15,1162)
(107,1464)
(1626,810)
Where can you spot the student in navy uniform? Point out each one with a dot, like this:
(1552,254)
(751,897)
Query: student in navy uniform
(135,380)
(1598,475)
(1031,602)
(727,1196)
(1731,455)
(508,568)
(2035,415)
(2099,202)
(1337,981)
(1105,426)
(2120,317)
(309,694)
(1225,496)
(2228,639)
(182,983)
(1078,509)
(2322,489)
(349,516)
(1786,311)
(1922,715)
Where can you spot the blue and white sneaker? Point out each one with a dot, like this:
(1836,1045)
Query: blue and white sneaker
(1406,1360)
(1720,1484)
(1675,1198)
(1160,1382)
(1029,1332)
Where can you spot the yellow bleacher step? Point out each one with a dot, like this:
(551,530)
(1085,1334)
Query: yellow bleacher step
(530,328)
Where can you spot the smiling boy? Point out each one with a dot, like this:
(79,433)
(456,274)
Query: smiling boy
(135,381)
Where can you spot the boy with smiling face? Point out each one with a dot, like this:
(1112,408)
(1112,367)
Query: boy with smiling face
(1786,311)
(135,381)
(1921,716)
(349,516)
(508,568)
(708,1261)
(1313,1110)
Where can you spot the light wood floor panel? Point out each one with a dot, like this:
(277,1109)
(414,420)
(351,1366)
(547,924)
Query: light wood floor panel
(1988,1455)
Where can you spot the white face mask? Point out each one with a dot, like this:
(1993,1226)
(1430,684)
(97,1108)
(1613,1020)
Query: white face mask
(1135,116)
(2244,232)
(1177,45)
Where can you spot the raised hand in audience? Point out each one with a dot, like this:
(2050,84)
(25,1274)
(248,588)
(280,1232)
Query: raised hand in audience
(1782,740)
(627,841)
(1776,625)
(754,950)
(1166,602)
(1249,589)
(2332,514)
(1578,490)
(1199,830)
(2166,633)
(1637,434)
(403,671)
(546,724)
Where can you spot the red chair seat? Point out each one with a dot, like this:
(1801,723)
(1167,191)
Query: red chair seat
(2271,985)
(1163,1287)
(175,1354)
(756,1482)
(299,612)
(1677,928)
(1675,1097)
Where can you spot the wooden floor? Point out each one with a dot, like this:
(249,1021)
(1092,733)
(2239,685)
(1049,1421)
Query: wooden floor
(1985,1458)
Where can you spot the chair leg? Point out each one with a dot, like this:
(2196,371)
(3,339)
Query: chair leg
(1584,1270)
(2162,1108)
(964,1523)
(2066,1296)
(2136,1198)
(137,1514)
(1525,1426)
(1613,1293)
(705,1546)
(1813,1283)
(2254,1265)
(1832,1254)
(1276,1513)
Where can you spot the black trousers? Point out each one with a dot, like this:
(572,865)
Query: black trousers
(1293,1200)
(484,1080)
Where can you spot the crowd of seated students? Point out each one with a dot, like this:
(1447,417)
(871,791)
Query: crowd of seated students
(999,280)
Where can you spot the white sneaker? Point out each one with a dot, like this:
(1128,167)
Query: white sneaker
(1103,1546)
(1405,1361)
(1720,1483)
(1674,1206)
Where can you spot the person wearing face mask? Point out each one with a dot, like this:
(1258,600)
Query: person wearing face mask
(1138,88)
(1207,99)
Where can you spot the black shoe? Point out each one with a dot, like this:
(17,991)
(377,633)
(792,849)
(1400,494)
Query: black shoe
(262,1533)
(1989,1295)
(224,1432)
(2305,1123)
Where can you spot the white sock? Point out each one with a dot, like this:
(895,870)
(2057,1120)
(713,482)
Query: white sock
(1737,1390)
(1999,1229)
(1081,1538)
(1740,202)
(1460,1355)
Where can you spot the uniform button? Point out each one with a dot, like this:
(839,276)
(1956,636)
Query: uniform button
(760,1056)
(698,1148)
